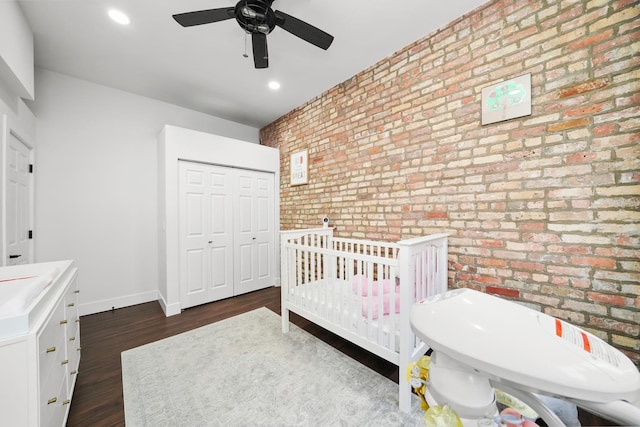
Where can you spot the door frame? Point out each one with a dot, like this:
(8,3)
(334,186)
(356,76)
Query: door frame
(8,129)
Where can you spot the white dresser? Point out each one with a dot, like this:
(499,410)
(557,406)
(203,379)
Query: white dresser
(39,343)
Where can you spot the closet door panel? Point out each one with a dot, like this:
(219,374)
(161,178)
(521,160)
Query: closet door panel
(195,224)
(264,257)
(219,267)
(195,271)
(221,239)
(245,261)
(220,232)
(206,233)
(255,231)
(194,234)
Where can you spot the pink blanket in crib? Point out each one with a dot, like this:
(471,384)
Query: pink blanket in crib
(360,285)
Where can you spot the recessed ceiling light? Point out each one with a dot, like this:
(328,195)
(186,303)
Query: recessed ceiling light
(273,85)
(119,17)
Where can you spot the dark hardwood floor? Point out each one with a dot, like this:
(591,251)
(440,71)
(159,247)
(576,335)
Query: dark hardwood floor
(97,399)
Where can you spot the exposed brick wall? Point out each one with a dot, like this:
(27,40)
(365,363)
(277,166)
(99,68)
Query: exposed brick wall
(542,208)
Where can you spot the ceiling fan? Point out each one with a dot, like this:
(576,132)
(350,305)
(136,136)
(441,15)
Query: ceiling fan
(258,19)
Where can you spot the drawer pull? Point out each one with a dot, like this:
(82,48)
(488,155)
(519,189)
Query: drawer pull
(79,348)
(52,400)
(66,402)
(73,372)
(63,322)
(71,304)
(77,320)
(64,362)
(77,291)
(51,349)
(72,339)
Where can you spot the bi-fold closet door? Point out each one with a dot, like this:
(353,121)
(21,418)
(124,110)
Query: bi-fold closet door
(227,234)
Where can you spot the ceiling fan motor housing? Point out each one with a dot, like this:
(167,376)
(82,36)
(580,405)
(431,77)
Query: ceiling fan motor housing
(255,16)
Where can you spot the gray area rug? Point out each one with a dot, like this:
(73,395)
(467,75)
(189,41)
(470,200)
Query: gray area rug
(244,371)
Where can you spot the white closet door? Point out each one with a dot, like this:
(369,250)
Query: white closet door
(254,215)
(206,233)
(226,232)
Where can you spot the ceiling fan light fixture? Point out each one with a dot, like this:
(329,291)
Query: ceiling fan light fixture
(248,12)
(119,17)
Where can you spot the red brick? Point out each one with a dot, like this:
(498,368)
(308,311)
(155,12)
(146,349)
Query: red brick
(584,87)
(610,299)
(512,293)
(568,124)
(434,215)
(594,262)
(581,157)
(591,40)
(606,129)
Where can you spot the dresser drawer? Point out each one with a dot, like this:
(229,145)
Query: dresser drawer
(71,301)
(53,406)
(73,350)
(52,345)
(50,386)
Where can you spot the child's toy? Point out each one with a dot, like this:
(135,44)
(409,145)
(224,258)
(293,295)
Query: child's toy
(516,413)
(481,342)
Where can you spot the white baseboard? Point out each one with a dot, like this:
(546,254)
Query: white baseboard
(125,301)
(169,310)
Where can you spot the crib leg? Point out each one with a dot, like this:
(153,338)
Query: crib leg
(405,396)
(285,320)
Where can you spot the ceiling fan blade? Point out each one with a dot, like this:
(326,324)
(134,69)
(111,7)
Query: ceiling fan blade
(208,16)
(303,30)
(260,53)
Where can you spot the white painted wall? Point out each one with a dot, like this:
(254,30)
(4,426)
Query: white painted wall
(97,186)
(16,50)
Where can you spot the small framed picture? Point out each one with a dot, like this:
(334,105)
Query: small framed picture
(507,100)
(299,168)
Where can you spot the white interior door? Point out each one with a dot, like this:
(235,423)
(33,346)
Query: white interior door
(254,211)
(18,202)
(206,233)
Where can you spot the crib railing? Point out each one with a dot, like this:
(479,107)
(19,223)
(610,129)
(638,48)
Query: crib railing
(335,266)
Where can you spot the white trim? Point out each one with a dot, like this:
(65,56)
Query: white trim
(169,309)
(108,304)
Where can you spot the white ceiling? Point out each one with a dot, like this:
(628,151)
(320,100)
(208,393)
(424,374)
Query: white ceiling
(202,68)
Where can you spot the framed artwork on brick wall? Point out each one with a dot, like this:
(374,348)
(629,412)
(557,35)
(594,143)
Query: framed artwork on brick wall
(507,100)
(299,168)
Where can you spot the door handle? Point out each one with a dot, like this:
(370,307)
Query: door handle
(14,256)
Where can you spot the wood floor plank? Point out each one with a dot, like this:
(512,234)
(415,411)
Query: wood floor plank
(97,399)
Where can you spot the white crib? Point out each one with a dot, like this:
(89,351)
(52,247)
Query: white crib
(363,290)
